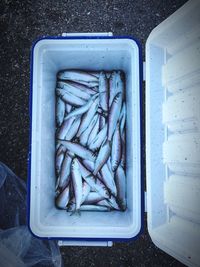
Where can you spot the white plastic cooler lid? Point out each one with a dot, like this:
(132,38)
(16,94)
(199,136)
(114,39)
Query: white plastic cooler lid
(173,134)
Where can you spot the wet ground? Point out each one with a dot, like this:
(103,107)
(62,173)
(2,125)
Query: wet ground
(21,22)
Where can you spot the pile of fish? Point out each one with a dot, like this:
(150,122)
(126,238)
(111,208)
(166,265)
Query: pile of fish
(90,141)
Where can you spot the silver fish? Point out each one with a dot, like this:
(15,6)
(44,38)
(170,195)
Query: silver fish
(82,109)
(114,114)
(103,90)
(73,129)
(85,192)
(63,199)
(94,131)
(116,151)
(99,139)
(95,185)
(70,98)
(76,75)
(113,203)
(108,179)
(86,134)
(89,208)
(120,180)
(102,157)
(69,88)
(78,149)
(77,182)
(102,122)
(68,108)
(109,164)
(59,159)
(90,166)
(88,116)
(122,118)
(105,203)
(85,88)
(64,177)
(60,111)
(116,86)
(95,73)
(62,132)
(123,157)
(92,198)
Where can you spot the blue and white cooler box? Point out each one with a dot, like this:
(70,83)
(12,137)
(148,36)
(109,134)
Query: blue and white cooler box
(172,86)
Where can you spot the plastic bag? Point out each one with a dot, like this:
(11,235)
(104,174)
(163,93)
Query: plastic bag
(18,247)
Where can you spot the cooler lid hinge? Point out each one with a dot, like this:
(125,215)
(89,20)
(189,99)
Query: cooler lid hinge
(144,71)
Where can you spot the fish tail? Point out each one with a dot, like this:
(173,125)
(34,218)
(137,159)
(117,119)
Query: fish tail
(76,212)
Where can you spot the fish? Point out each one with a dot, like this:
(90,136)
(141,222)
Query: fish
(82,109)
(95,73)
(78,149)
(120,180)
(68,108)
(84,88)
(59,160)
(108,179)
(62,132)
(95,185)
(112,201)
(86,134)
(92,198)
(90,166)
(116,86)
(94,131)
(122,118)
(60,111)
(102,157)
(78,76)
(63,199)
(89,208)
(103,90)
(99,139)
(90,141)
(114,114)
(88,116)
(77,183)
(123,157)
(105,203)
(73,129)
(116,151)
(64,177)
(102,122)
(74,90)
(70,98)
(85,192)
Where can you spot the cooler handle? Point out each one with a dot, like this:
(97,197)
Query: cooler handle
(65,34)
(85,243)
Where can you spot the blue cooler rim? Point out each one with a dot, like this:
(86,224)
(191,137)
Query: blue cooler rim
(141,138)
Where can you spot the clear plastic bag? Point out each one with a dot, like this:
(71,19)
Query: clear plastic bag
(18,247)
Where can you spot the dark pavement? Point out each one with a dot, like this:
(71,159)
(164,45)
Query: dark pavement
(21,22)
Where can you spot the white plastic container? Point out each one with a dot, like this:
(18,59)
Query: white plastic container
(172,135)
